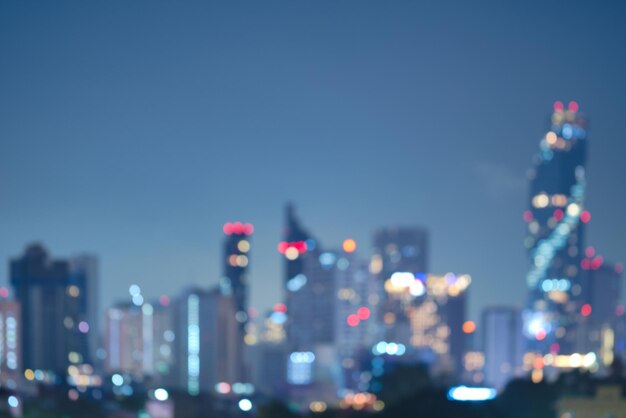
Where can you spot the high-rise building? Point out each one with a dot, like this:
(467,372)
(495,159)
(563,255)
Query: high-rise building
(57,299)
(10,344)
(435,306)
(236,260)
(600,314)
(555,234)
(124,340)
(503,345)
(398,250)
(208,344)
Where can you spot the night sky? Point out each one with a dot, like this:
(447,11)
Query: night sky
(135,129)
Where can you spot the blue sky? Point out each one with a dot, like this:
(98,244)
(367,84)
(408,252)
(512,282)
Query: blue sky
(134,130)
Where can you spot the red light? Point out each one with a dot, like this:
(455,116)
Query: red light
(540,335)
(585,310)
(282,247)
(164,300)
(596,263)
(585,216)
(238,228)
(528,216)
(353,320)
(363,313)
(590,251)
(573,106)
(558,106)
(558,214)
(585,264)
(280,307)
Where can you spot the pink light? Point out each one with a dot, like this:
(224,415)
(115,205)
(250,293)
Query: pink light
(363,313)
(4,292)
(558,106)
(540,335)
(223,388)
(619,267)
(353,320)
(238,228)
(227,228)
(585,264)
(619,310)
(248,229)
(585,310)
(590,251)
(252,313)
(280,307)
(83,327)
(555,348)
(573,106)
(528,216)
(282,247)
(164,300)
(558,214)
(585,216)
(596,263)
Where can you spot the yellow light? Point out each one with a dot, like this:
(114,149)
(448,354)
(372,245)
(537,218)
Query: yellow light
(349,245)
(243,246)
(378,406)
(317,406)
(29,374)
(551,138)
(249,339)
(73,291)
(376,264)
(291,253)
(537,376)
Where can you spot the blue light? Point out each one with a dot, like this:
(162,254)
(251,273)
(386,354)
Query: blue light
(567,131)
(296,283)
(278,317)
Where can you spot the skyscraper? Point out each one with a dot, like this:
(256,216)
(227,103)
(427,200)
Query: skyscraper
(503,344)
(555,234)
(236,260)
(398,250)
(58,317)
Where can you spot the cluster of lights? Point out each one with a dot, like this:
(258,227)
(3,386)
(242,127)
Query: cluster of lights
(590,262)
(362,314)
(238,388)
(401,282)
(135,294)
(292,250)
(238,260)
(549,285)
(388,348)
(300,367)
(296,283)
(238,228)
(360,401)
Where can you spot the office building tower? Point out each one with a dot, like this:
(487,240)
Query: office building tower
(555,236)
(398,250)
(124,340)
(10,344)
(56,298)
(236,260)
(435,306)
(208,344)
(503,345)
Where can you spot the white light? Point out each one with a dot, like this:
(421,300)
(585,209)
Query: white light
(13,401)
(573,209)
(134,290)
(392,349)
(400,279)
(417,288)
(161,394)
(464,393)
(245,405)
(117,380)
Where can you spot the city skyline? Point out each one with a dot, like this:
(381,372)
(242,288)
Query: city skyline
(150,198)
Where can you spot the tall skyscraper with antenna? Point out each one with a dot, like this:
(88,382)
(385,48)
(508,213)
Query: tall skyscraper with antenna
(555,234)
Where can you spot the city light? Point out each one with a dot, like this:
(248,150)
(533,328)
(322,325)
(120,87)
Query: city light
(349,245)
(471,394)
(161,394)
(245,405)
